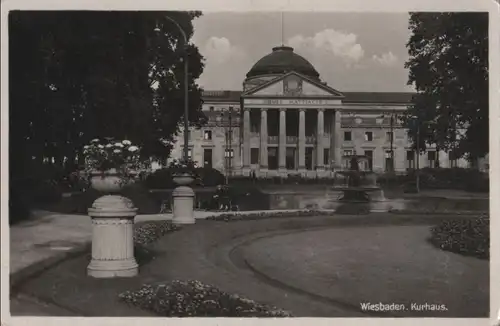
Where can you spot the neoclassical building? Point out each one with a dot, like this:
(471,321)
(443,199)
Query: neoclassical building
(286,120)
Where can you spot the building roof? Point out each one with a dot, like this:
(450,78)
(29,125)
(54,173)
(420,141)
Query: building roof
(378,97)
(280,61)
(350,97)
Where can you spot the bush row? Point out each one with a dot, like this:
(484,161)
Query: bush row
(440,178)
(162,178)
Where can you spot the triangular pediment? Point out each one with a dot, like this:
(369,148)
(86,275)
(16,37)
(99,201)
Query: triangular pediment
(293,84)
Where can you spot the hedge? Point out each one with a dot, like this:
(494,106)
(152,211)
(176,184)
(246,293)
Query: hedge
(162,178)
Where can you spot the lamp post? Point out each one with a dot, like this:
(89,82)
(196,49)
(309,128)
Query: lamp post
(228,138)
(392,117)
(183,195)
(418,158)
(186,85)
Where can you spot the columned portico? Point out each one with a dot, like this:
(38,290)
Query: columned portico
(284,126)
(302,141)
(246,141)
(319,141)
(337,140)
(282,141)
(263,141)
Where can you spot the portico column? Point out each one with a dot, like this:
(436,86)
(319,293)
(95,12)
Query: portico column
(302,140)
(282,141)
(337,141)
(246,141)
(263,139)
(319,141)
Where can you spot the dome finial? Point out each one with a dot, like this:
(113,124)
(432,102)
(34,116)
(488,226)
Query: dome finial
(282,30)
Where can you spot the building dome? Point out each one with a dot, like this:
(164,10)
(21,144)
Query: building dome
(280,61)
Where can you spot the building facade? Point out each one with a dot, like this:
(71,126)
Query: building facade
(287,121)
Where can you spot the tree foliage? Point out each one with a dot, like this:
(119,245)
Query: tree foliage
(79,75)
(448,65)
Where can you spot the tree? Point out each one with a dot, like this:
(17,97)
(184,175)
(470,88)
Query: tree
(448,66)
(78,75)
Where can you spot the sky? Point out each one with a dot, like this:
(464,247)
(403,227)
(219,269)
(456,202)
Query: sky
(351,51)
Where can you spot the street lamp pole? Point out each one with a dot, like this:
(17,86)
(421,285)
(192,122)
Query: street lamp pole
(392,141)
(186,88)
(418,158)
(228,139)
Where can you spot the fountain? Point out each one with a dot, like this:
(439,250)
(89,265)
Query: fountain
(360,186)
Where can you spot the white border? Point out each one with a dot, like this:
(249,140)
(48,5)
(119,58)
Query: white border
(265,5)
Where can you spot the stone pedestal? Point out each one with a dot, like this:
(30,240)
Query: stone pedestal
(183,208)
(112,238)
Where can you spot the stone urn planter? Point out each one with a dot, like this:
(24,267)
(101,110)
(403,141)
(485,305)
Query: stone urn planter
(108,181)
(112,228)
(183,179)
(183,199)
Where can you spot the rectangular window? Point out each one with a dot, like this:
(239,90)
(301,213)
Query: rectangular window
(207,134)
(345,161)
(326,156)
(309,158)
(388,161)
(347,136)
(410,159)
(254,156)
(368,136)
(369,156)
(389,135)
(431,158)
(453,159)
(272,158)
(207,157)
(228,158)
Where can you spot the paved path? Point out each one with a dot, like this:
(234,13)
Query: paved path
(49,235)
(209,252)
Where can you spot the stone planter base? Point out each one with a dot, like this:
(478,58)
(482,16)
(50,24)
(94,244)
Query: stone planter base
(183,206)
(113,268)
(112,238)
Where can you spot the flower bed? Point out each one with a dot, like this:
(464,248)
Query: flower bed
(152,231)
(229,217)
(195,299)
(470,237)
(433,211)
(148,233)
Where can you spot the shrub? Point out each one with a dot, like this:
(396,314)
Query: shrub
(290,179)
(470,237)
(195,299)
(210,177)
(454,178)
(19,205)
(46,192)
(230,217)
(80,203)
(162,178)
